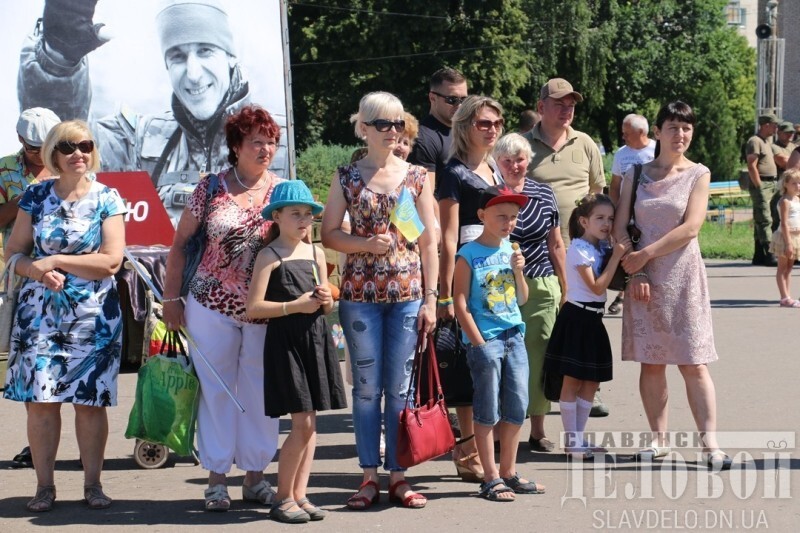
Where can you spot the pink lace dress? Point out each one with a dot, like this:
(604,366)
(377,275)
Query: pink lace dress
(674,327)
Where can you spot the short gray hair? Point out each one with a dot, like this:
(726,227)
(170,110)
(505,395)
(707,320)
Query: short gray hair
(511,145)
(637,122)
(376,105)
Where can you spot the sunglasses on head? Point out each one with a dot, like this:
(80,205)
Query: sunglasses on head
(451,100)
(383,125)
(485,125)
(69,147)
(31,149)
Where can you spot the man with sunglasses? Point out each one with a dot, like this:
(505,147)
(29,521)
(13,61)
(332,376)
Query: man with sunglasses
(448,88)
(567,160)
(25,167)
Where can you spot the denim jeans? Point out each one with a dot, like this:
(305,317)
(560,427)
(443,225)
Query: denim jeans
(499,371)
(381,339)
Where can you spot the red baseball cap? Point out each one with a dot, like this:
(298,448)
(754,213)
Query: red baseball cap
(500,194)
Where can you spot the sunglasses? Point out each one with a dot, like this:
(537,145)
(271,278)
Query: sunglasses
(451,100)
(69,147)
(486,125)
(383,125)
(31,149)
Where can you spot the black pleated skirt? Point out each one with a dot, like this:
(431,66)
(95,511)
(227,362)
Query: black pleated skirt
(579,345)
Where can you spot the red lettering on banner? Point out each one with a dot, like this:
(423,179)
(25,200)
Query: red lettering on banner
(147,222)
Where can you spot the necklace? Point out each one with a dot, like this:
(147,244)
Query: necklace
(248,189)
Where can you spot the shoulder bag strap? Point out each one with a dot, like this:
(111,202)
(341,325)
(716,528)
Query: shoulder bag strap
(637,177)
(213,184)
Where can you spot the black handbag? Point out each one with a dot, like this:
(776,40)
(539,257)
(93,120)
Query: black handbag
(620,279)
(451,355)
(195,245)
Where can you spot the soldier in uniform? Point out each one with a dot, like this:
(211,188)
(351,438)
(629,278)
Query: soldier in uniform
(173,146)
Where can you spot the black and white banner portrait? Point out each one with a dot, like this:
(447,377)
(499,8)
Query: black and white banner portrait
(155,79)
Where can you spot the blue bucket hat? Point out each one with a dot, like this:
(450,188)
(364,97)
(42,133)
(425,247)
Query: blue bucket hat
(290,192)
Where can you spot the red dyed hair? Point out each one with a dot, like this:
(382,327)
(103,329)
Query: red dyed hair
(250,119)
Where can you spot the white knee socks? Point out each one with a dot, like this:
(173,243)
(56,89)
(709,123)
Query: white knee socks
(582,416)
(569,420)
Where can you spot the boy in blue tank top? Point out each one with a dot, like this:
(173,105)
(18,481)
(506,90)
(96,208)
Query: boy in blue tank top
(488,289)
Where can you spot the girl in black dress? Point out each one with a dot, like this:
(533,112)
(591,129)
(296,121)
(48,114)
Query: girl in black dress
(301,368)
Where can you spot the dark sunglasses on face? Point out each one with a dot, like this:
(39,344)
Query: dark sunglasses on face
(31,149)
(69,147)
(383,125)
(485,125)
(451,100)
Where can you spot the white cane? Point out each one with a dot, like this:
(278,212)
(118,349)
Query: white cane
(145,276)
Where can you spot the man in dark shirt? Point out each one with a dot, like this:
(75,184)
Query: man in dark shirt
(448,89)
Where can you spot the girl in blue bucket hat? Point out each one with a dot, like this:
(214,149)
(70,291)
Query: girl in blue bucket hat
(301,366)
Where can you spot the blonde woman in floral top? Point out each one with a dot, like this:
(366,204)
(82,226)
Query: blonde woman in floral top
(384,302)
(214,312)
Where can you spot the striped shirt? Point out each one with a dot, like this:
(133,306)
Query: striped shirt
(535,221)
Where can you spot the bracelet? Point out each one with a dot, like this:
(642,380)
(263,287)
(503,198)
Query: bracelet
(434,292)
(285,312)
(640,275)
(167,300)
(444,302)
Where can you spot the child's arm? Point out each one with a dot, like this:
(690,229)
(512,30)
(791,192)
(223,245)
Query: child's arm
(461,283)
(517,264)
(600,284)
(323,290)
(258,306)
(783,208)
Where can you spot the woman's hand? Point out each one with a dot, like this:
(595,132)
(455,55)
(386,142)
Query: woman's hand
(54,280)
(640,289)
(379,244)
(307,303)
(426,318)
(40,267)
(323,295)
(635,261)
(173,315)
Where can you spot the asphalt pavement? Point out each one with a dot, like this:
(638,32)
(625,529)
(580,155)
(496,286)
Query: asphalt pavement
(756,382)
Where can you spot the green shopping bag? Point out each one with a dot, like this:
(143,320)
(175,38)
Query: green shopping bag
(167,393)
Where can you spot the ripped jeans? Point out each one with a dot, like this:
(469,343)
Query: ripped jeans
(381,338)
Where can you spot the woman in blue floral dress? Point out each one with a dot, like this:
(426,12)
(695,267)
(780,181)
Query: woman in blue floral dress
(66,339)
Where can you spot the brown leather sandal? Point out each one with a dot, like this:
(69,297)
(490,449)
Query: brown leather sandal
(43,500)
(95,497)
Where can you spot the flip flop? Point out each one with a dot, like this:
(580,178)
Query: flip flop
(788,302)
(652,452)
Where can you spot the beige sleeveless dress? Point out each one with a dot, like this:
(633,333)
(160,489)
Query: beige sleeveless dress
(674,327)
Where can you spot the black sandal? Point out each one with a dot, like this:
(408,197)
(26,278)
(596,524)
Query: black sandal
(23,459)
(520,487)
(492,490)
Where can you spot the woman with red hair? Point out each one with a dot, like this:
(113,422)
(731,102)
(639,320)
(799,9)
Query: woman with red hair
(214,307)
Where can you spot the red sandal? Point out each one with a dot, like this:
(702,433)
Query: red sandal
(407,501)
(359,502)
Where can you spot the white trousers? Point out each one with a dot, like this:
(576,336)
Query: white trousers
(236,350)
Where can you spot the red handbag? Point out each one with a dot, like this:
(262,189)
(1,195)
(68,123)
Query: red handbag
(424,431)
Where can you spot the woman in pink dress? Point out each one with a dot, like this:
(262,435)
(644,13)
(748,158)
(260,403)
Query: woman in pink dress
(668,320)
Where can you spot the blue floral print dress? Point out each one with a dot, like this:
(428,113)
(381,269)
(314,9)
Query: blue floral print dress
(66,346)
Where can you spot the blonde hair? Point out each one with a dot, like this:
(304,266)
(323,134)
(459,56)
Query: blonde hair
(511,145)
(373,106)
(789,175)
(70,130)
(462,123)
